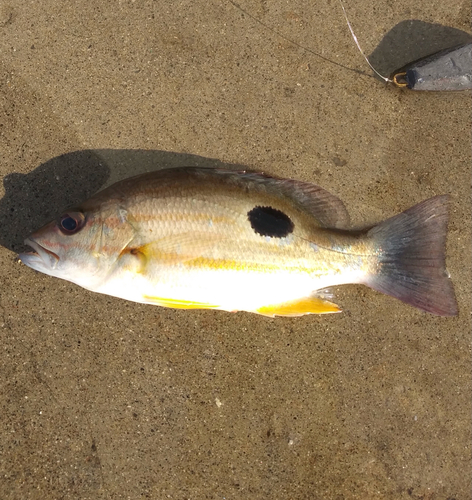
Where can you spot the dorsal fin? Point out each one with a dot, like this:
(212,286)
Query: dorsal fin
(327,208)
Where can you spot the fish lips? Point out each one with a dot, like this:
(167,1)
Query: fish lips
(41,259)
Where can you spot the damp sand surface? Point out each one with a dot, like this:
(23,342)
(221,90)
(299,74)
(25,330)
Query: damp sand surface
(106,399)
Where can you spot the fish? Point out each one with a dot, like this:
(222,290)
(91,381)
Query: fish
(202,238)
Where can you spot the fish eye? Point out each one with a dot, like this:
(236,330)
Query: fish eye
(71,222)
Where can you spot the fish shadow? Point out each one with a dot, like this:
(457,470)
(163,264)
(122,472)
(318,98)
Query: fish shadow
(411,40)
(34,199)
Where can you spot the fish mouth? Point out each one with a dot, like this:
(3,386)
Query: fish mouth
(40,258)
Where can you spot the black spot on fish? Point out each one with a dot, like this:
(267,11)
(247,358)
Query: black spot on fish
(268,221)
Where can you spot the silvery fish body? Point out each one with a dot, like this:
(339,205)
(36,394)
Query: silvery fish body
(239,241)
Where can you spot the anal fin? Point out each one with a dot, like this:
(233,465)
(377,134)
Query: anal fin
(300,307)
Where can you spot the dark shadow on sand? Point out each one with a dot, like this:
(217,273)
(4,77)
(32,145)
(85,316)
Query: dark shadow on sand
(32,200)
(411,40)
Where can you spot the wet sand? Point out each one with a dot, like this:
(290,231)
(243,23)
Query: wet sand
(106,399)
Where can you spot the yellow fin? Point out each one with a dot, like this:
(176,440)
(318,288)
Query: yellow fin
(176,303)
(299,307)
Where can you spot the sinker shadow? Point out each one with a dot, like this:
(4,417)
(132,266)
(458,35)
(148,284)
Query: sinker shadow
(411,40)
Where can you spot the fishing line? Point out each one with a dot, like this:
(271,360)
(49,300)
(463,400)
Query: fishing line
(270,28)
(388,80)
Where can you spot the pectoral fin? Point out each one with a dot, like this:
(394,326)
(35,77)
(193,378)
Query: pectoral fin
(300,307)
(172,249)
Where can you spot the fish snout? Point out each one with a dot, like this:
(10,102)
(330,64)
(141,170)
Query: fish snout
(41,258)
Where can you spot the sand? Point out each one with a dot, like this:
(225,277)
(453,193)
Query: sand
(106,399)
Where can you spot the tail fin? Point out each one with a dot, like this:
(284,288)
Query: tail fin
(412,258)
